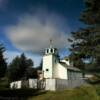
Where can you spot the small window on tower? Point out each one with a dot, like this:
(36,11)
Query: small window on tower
(47,69)
(51,50)
(47,50)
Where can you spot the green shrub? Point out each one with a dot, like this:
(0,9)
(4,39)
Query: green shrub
(4,83)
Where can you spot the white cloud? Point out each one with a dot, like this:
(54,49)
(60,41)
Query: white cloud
(33,31)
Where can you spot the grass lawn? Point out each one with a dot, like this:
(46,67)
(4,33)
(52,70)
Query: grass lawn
(19,94)
(81,93)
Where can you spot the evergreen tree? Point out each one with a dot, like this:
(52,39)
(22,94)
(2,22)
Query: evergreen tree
(31,73)
(86,41)
(3,64)
(40,66)
(14,72)
(18,68)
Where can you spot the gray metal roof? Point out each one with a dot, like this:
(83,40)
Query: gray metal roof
(70,67)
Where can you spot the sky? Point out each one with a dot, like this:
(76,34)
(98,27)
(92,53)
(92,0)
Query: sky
(28,25)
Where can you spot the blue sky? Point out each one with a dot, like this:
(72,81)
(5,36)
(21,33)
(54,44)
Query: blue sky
(28,25)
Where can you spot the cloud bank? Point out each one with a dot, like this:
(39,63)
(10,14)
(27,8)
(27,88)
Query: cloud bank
(33,31)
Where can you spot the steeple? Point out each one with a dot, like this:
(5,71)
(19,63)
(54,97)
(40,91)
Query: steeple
(50,58)
(51,42)
(51,49)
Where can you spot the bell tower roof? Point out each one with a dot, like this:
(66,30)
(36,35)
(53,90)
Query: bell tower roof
(51,49)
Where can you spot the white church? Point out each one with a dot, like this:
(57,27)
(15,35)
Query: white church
(56,74)
(55,68)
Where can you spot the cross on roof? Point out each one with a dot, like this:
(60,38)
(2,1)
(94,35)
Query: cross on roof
(51,42)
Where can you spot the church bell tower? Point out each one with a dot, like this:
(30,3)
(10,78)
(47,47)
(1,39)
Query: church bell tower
(50,58)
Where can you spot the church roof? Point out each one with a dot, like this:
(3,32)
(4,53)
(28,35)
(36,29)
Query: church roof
(70,67)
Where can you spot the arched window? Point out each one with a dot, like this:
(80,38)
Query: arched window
(47,50)
(51,50)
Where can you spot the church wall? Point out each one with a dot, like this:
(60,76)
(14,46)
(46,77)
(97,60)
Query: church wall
(60,71)
(47,66)
(74,75)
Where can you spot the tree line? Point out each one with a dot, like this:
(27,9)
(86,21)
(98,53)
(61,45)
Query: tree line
(21,68)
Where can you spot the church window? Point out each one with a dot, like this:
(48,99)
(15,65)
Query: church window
(47,50)
(67,59)
(51,50)
(47,69)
